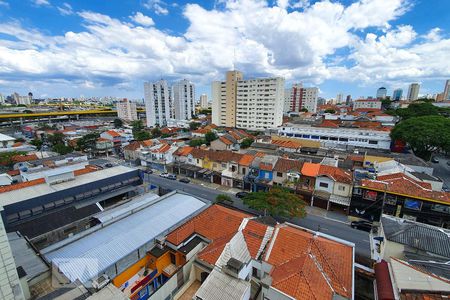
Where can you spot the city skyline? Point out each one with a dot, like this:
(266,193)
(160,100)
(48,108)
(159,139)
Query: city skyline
(94,50)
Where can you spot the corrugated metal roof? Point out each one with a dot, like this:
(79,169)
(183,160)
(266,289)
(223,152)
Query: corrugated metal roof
(218,286)
(417,235)
(109,244)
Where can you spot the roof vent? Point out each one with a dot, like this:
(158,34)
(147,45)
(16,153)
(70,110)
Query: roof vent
(160,242)
(100,282)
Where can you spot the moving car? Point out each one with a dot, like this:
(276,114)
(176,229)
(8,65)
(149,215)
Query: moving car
(241,194)
(164,175)
(171,177)
(434,160)
(362,225)
(184,180)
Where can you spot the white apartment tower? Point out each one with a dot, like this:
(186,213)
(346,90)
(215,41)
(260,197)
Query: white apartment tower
(204,101)
(447,90)
(158,103)
(303,98)
(126,110)
(413,91)
(183,93)
(251,104)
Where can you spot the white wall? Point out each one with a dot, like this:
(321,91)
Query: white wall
(324,179)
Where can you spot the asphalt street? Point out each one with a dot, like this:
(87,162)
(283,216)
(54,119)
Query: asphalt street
(442,170)
(313,222)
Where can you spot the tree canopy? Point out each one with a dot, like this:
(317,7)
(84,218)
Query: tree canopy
(210,136)
(196,142)
(194,125)
(142,135)
(424,134)
(7,158)
(56,138)
(247,142)
(88,141)
(118,123)
(330,111)
(156,132)
(62,149)
(277,202)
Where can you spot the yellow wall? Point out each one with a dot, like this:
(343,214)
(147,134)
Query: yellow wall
(128,273)
(207,164)
(373,159)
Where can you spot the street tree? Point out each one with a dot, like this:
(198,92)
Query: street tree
(424,135)
(118,123)
(247,142)
(142,135)
(62,149)
(56,138)
(194,125)
(156,132)
(276,202)
(210,136)
(88,141)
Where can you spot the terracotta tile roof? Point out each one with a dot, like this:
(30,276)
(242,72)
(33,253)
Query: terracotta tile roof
(214,222)
(113,133)
(162,149)
(184,151)
(23,158)
(201,131)
(133,146)
(337,174)
(13,172)
(310,169)
(400,183)
(356,157)
(287,144)
(86,170)
(246,160)
(225,140)
(329,124)
(147,143)
(21,185)
(254,234)
(310,267)
(219,156)
(260,154)
(383,281)
(100,139)
(285,165)
(212,252)
(265,166)
(17,144)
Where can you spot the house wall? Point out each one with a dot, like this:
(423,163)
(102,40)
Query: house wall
(271,293)
(243,169)
(265,175)
(218,145)
(324,179)
(281,179)
(130,272)
(391,249)
(345,193)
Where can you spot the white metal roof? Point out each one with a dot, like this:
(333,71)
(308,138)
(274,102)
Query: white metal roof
(34,191)
(106,246)
(4,138)
(218,286)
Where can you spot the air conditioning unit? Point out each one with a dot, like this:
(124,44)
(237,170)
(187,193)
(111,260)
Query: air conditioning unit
(100,282)
(160,242)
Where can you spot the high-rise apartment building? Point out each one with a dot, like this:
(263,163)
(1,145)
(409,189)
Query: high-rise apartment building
(348,100)
(447,90)
(381,93)
(397,95)
(183,93)
(204,101)
(303,98)
(339,98)
(413,91)
(252,104)
(287,100)
(158,103)
(126,110)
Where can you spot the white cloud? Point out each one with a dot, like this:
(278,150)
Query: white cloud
(142,19)
(65,9)
(41,2)
(4,3)
(158,6)
(264,39)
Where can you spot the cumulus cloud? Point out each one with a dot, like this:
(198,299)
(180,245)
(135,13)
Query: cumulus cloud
(158,6)
(142,19)
(258,38)
(41,2)
(4,3)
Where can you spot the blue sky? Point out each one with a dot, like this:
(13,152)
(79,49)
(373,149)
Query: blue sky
(70,48)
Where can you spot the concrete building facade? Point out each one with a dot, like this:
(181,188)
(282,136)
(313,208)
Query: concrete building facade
(183,99)
(204,101)
(447,90)
(126,110)
(158,103)
(413,92)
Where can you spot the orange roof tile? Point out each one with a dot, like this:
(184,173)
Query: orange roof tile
(13,172)
(22,158)
(225,140)
(184,151)
(285,165)
(310,169)
(21,185)
(86,170)
(147,143)
(310,267)
(337,174)
(329,124)
(214,222)
(112,133)
(100,139)
(246,160)
(163,149)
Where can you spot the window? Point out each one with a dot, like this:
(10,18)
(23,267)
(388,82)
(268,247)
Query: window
(279,174)
(266,175)
(441,208)
(373,142)
(224,165)
(243,171)
(413,204)
(341,188)
(323,184)
(255,272)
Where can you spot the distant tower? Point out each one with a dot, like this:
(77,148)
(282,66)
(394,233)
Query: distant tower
(381,93)
(397,95)
(447,90)
(413,91)
(348,100)
(30,97)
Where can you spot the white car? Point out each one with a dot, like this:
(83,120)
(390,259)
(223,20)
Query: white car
(164,175)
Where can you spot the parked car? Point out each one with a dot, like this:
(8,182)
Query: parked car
(108,165)
(184,180)
(172,177)
(149,171)
(164,175)
(434,160)
(362,225)
(241,194)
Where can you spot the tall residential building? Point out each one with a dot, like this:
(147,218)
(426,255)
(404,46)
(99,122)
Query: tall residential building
(348,100)
(397,95)
(126,110)
(2,99)
(158,103)
(252,104)
(339,98)
(303,98)
(287,100)
(183,93)
(413,92)
(204,101)
(447,90)
(381,93)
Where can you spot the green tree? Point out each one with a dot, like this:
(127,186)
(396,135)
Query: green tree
(142,135)
(418,110)
(62,149)
(386,103)
(196,142)
(210,136)
(56,138)
(194,125)
(118,123)
(304,110)
(37,143)
(424,134)
(137,126)
(7,158)
(277,202)
(330,111)
(88,141)
(156,132)
(222,198)
(247,142)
